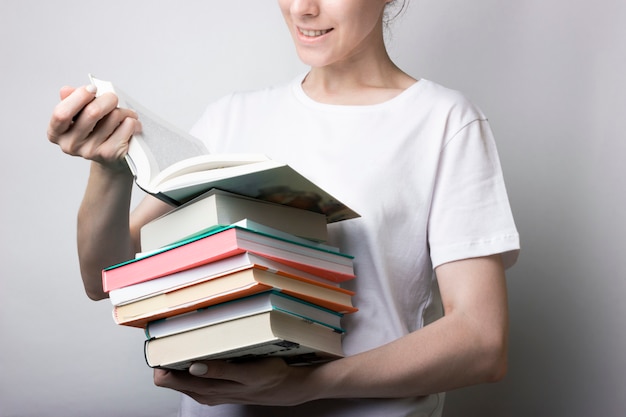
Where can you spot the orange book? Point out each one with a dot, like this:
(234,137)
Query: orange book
(236,285)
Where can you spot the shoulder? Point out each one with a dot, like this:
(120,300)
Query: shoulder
(449,101)
(441,109)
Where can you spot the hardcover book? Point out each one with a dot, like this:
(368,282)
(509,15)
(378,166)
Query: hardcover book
(244,307)
(220,208)
(273,333)
(229,287)
(176,167)
(223,243)
(187,277)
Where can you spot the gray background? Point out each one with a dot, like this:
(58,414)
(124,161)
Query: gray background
(549,74)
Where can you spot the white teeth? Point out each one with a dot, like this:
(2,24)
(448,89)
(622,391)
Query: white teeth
(313,33)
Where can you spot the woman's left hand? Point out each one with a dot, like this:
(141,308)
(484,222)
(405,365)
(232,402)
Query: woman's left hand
(262,382)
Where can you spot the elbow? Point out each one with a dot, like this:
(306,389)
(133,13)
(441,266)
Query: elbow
(498,370)
(95,295)
(495,361)
(92,285)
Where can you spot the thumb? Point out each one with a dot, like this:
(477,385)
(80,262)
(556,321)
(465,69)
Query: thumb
(198,369)
(219,369)
(246,372)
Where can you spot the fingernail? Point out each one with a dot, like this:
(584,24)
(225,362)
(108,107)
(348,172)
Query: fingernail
(91,89)
(198,369)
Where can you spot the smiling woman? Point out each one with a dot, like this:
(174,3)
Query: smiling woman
(346,37)
(355,124)
(326,33)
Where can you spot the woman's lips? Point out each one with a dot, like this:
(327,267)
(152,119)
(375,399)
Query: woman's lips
(313,33)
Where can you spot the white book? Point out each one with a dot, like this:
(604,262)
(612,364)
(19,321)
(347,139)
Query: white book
(176,167)
(181,279)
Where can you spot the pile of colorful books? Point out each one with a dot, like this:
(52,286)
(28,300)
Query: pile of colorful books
(231,277)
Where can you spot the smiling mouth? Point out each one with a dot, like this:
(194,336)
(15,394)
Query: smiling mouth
(313,33)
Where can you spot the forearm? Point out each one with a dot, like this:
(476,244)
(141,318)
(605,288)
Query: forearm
(96,129)
(466,347)
(104,236)
(445,355)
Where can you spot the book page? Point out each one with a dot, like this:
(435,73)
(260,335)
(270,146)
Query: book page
(159,145)
(167,143)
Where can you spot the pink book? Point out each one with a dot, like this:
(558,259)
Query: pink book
(223,243)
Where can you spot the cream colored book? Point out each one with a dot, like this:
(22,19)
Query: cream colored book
(217,208)
(272,333)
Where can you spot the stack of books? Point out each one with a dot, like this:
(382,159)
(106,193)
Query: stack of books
(232,274)
(226,276)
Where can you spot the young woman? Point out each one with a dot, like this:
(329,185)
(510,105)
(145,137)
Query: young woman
(416,160)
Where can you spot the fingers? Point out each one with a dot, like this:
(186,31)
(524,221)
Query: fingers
(93,128)
(184,382)
(203,390)
(66,91)
(98,120)
(64,112)
(237,372)
(108,142)
(261,382)
(198,369)
(240,372)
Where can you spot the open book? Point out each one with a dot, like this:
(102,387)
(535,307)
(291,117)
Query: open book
(176,167)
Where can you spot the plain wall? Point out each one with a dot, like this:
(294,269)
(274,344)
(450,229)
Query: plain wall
(548,73)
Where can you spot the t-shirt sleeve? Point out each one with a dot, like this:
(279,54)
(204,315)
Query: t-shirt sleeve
(470,212)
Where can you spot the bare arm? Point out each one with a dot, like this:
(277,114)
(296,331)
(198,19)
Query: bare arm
(97,130)
(466,347)
(107,233)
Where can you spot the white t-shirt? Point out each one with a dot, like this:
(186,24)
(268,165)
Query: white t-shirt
(423,172)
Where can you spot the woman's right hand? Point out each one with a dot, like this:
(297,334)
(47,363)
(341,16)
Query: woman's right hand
(92,128)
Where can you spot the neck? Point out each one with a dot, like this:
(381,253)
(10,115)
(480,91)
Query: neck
(369,79)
